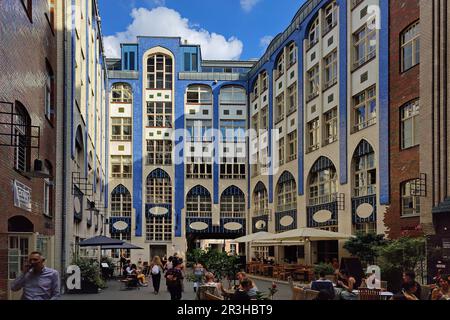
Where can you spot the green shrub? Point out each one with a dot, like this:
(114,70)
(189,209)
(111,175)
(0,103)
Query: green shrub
(326,268)
(90,271)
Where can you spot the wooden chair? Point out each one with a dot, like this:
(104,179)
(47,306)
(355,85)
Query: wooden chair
(211,297)
(311,294)
(369,294)
(298,293)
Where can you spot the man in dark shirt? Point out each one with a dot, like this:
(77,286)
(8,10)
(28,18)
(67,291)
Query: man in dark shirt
(241,294)
(174,280)
(410,277)
(323,285)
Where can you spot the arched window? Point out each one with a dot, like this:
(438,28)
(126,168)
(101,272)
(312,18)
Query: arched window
(280,65)
(159,187)
(120,202)
(159,72)
(291,54)
(322,182)
(159,191)
(233,95)
(22,133)
(198,203)
(286,193)
(79,147)
(121,93)
(410,202)
(330,17)
(410,46)
(364,170)
(232,203)
(313,33)
(198,94)
(260,200)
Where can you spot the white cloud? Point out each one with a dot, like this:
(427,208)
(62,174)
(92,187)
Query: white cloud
(265,41)
(247,5)
(163,21)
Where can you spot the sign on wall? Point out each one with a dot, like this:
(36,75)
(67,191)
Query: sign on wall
(22,196)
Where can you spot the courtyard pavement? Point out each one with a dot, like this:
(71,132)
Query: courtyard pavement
(114,292)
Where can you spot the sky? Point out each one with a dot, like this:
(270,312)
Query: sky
(225,29)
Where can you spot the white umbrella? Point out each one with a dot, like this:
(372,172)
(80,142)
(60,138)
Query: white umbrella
(309,234)
(253,237)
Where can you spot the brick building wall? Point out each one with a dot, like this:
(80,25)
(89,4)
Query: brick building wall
(404,87)
(28,44)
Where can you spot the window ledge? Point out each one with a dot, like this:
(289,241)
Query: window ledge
(410,216)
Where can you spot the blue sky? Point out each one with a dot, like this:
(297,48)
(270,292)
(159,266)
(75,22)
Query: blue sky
(226,29)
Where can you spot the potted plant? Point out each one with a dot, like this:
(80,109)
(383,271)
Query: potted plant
(91,280)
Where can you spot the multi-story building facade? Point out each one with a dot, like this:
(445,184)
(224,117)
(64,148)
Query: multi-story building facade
(82,130)
(403,215)
(433,138)
(317,102)
(28,117)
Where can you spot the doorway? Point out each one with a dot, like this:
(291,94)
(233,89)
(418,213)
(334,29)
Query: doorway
(158,250)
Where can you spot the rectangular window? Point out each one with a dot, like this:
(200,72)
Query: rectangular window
(410,125)
(279,108)
(121,167)
(159,152)
(159,114)
(292,54)
(292,145)
(132,61)
(121,129)
(330,70)
(48,196)
(194,62)
(410,202)
(365,45)
(281,151)
(313,83)
(331,126)
(364,109)
(49,95)
(187,61)
(330,17)
(313,135)
(292,98)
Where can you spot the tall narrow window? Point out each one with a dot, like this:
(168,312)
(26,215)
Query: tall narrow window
(410,124)
(48,191)
(313,135)
(313,83)
(330,70)
(292,98)
(280,66)
(410,46)
(292,145)
(292,54)
(198,203)
(281,151)
(260,200)
(331,126)
(313,34)
(279,108)
(322,182)
(286,193)
(365,171)
(21,138)
(410,202)
(121,202)
(49,94)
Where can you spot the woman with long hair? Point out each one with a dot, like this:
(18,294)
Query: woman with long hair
(156,269)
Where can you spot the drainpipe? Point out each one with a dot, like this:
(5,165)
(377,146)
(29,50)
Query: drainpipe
(64,146)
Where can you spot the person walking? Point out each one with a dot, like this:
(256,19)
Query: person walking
(37,281)
(156,269)
(174,280)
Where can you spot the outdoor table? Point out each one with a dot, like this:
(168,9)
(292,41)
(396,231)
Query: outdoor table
(385,295)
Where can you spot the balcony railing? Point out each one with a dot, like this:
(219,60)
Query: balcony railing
(232,215)
(122,175)
(287,207)
(329,84)
(313,148)
(198,214)
(364,59)
(363,125)
(312,96)
(327,198)
(364,191)
(121,138)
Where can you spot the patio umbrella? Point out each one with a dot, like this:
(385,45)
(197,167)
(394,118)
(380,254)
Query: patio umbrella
(253,237)
(100,241)
(124,245)
(310,234)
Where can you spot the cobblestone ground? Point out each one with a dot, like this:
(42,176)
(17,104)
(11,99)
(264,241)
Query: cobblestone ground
(114,292)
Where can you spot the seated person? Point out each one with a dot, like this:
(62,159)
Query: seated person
(442,292)
(253,291)
(209,282)
(347,284)
(408,292)
(323,285)
(241,294)
(410,276)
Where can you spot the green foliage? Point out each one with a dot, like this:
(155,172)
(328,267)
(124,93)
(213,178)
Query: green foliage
(326,268)
(90,271)
(221,264)
(403,254)
(365,246)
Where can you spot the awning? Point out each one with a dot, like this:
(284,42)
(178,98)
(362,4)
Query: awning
(100,241)
(124,245)
(310,234)
(254,237)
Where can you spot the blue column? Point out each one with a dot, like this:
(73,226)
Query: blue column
(343,69)
(217,145)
